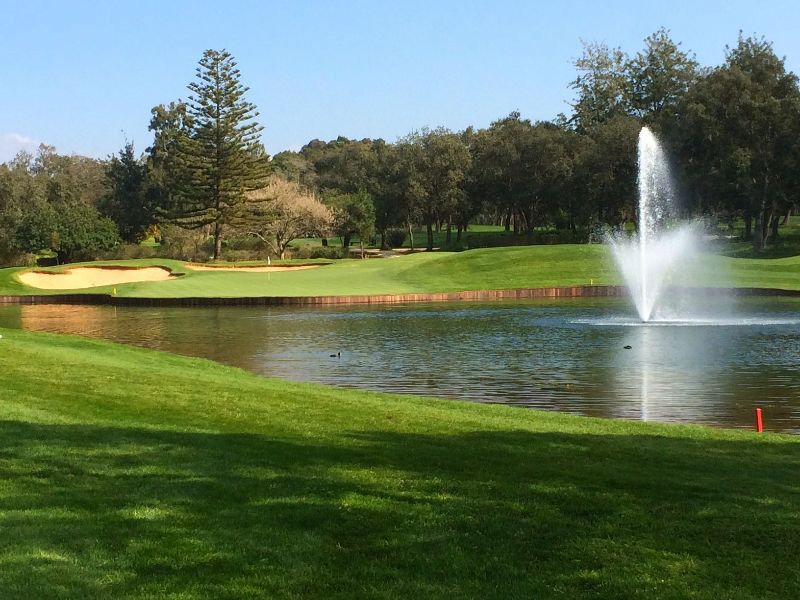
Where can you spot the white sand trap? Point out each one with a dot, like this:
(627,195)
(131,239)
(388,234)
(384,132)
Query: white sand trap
(89,277)
(259,269)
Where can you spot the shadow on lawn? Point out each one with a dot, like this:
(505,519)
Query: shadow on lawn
(115,512)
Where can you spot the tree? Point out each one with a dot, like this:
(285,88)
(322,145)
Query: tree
(166,172)
(547,164)
(295,166)
(409,183)
(70,177)
(387,186)
(601,86)
(69,229)
(496,174)
(658,77)
(49,203)
(222,156)
(128,202)
(605,171)
(19,190)
(438,176)
(283,211)
(610,84)
(353,214)
(522,170)
(344,165)
(737,132)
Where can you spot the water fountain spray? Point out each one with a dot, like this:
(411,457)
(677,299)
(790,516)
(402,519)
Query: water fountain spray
(647,261)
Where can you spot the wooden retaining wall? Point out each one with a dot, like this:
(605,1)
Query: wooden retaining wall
(587,291)
(583,291)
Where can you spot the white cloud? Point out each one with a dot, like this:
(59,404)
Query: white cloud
(11,143)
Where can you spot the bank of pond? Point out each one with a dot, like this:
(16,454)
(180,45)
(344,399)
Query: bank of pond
(580,356)
(421,273)
(129,473)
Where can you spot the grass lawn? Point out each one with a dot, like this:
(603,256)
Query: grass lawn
(420,237)
(494,268)
(786,244)
(137,474)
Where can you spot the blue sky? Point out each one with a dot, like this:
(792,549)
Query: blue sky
(83,76)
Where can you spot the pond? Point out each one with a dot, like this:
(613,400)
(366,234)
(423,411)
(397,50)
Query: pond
(568,355)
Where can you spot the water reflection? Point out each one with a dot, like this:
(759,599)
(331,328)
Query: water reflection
(663,362)
(715,373)
(568,356)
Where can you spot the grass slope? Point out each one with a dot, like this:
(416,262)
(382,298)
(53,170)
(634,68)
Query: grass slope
(136,474)
(495,268)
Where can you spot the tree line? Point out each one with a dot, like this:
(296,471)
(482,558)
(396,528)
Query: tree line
(733,131)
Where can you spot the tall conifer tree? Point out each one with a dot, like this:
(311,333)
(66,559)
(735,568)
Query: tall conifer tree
(222,156)
(127,202)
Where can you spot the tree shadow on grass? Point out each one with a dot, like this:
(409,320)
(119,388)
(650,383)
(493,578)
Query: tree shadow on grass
(96,511)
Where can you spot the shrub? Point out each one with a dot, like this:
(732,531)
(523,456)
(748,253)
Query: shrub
(18,259)
(129,252)
(496,240)
(11,257)
(185,244)
(306,252)
(74,231)
(245,242)
(456,246)
(233,255)
(395,237)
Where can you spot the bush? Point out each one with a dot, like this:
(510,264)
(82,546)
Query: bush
(185,244)
(306,252)
(232,255)
(395,238)
(47,260)
(83,255)
(17,259)
(245,242)
(11,257)
(456,246)
(497,240)
(130,252)
(74,231)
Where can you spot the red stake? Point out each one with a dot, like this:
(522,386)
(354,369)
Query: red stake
(759,422)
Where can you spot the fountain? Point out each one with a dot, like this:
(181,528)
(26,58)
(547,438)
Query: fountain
(662,264)
(648,261)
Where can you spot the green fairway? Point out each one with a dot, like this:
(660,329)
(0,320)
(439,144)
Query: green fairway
(495,268)
(136,474)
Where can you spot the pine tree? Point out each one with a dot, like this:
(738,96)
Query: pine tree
(127,202)
(222,156)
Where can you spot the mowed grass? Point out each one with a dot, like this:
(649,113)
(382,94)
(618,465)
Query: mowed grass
(420,237)
(495,268)
(136,474)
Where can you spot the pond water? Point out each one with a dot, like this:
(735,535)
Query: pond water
(567,355)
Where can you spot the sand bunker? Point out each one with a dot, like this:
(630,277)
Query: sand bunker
(253,269)
(89,277)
